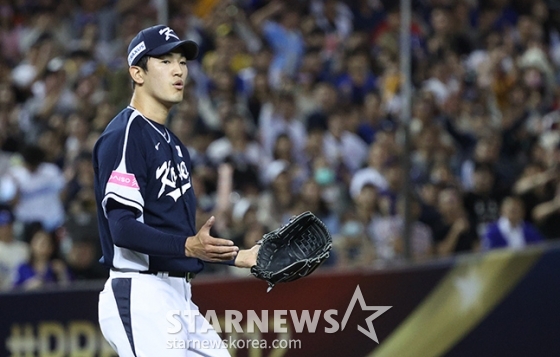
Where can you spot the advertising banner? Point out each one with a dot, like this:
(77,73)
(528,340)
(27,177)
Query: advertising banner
(466,306)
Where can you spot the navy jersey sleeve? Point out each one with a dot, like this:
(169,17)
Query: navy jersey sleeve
(127,232)
(127,180)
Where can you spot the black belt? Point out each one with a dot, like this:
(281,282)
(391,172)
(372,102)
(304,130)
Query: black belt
(188,275)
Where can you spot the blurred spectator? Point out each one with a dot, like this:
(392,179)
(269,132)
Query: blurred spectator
(429,152)
(455,234)
(96,16)
(313,147)
(393,172)
(283,36)
(333,17)
(219,99)
(84,248)
(34,63)
(313,70)
(274,203)
(442,82)
(535,185)
(78,193)
(366,205)
(78,129)
(511,230)
(229,49)
(50,96)
(354,244)
(325,102)
(260,97)
(352,247)
(8,158)
(343,148)
(88,87)
(387,233)
(428,194)
(43,266)
(367,14)
(236,144)
(10,136)
(253,234)
(373,119)
(385,35)
(281,118)
(284,150)
(310,199)
(244,218)
(377,158)
(358,79)
(13,253)
(39,185)
(51,141)
(483,201)
(546,215)
(486,152)
(424,111)
(332,187)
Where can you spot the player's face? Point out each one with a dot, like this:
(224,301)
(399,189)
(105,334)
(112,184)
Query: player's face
(166,77)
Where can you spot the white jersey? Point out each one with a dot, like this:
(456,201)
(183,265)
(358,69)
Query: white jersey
(39,195)
(12,255)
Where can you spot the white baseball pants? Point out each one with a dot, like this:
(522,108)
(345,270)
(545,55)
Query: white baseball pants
(134,313)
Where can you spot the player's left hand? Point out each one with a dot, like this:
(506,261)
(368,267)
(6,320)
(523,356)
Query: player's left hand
(247,258)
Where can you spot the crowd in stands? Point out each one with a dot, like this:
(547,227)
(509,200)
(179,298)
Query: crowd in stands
(291,106)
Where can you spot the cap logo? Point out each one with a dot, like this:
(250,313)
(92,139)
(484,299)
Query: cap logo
(138,49)
(168,33)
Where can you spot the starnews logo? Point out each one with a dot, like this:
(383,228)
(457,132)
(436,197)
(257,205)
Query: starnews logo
(302,320)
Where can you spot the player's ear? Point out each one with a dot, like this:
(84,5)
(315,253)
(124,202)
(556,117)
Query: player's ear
(137,74)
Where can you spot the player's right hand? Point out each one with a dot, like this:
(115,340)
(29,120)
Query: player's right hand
(205,247)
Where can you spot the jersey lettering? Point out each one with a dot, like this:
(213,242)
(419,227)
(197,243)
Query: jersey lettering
(168,177)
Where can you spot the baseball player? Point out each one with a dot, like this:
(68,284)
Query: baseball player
(146,208)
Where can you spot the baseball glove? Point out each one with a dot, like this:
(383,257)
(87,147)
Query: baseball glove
(292,251)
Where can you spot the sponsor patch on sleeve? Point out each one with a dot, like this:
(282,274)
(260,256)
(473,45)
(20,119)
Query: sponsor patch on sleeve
(124,179)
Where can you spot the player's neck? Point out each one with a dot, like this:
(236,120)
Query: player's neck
(149,107)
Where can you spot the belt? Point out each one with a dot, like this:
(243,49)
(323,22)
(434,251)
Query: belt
(187,275)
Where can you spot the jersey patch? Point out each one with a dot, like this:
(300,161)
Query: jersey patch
(124,179)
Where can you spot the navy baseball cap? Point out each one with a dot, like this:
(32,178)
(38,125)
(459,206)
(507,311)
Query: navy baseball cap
(157,41)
